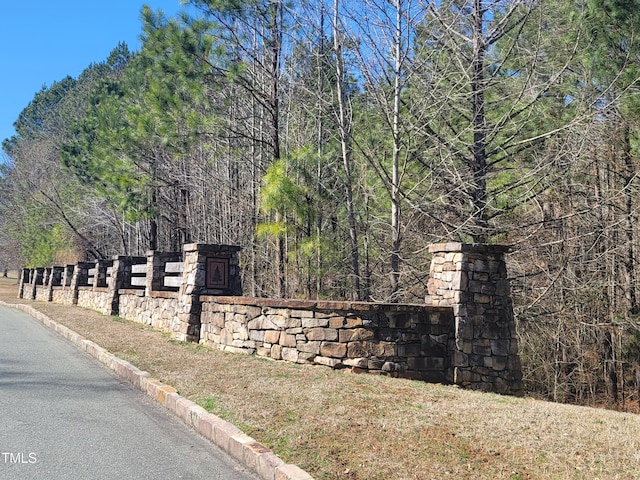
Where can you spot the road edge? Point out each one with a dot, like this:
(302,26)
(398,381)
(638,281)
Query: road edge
(226,436)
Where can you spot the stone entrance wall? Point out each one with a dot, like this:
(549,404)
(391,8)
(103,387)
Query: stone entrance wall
(463,334)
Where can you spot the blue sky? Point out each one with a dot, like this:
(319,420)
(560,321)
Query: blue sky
(43,41)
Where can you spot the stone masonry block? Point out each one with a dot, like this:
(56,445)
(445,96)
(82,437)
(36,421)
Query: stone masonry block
(499,363)
(263,351)
(287,340)
(206,426)
(328,362)
(309,347)
(358,349)
(356,362)
(383,349)
(282,322)
(337,322)
(262,323)
(500,347)
(257,335)
(319,333)
(276,352)
(481,298)
(333,349)
(290,354)
(306,357)
(272,336)
(375,364)
(356,334)
(315,322)
(354,321)
(302,313)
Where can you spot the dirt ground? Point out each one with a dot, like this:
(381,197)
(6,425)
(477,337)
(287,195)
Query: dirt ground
(341,425)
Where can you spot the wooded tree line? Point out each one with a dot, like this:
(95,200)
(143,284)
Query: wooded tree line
(335,140)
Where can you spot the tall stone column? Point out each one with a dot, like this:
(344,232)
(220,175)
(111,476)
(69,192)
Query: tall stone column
(207,270)
(120,278)
(67,276)
(54,279)
(79,279)
(36,281)
(156,262)
(25,278)
(472,278)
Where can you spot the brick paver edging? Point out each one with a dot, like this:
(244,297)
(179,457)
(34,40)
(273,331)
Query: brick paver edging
(253,455)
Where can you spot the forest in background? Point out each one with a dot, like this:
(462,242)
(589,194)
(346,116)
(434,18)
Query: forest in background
(335,140)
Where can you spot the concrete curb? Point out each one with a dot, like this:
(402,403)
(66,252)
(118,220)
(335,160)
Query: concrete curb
(229,438)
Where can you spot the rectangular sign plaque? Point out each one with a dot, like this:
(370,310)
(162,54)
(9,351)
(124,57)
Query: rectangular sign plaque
(218,273)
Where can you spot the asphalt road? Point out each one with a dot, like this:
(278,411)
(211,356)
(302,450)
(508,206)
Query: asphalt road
(65,416)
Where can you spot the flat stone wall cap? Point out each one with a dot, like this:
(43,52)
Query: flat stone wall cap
(468,247)
(210,247)
(129,258)
(296,303)
(163,294)
(333,305)
(132,291)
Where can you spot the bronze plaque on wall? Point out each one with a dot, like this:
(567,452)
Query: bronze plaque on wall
(218,273)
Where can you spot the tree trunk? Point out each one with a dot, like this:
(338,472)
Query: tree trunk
(610,374)
(629,260)
(345,127)
(480,234)
(395,169)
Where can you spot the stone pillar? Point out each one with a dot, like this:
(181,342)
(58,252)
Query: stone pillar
(472,278)
(100,280)
(56,276)
(207,270)
(155,269)
(46,276)
(80,279)
(68,275)
(121,271)
(37,274)
(24,279)
(54,280)
(120,278)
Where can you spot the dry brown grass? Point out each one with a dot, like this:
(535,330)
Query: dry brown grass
(339,425)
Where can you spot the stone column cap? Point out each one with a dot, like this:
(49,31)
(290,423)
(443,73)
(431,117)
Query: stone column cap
(468,247)
(210,248)
(152,253)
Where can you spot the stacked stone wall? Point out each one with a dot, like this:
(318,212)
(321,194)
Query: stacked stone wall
(96,298)
(158,310)
(42,294)
(62,295)
(464,333)
(411,341)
